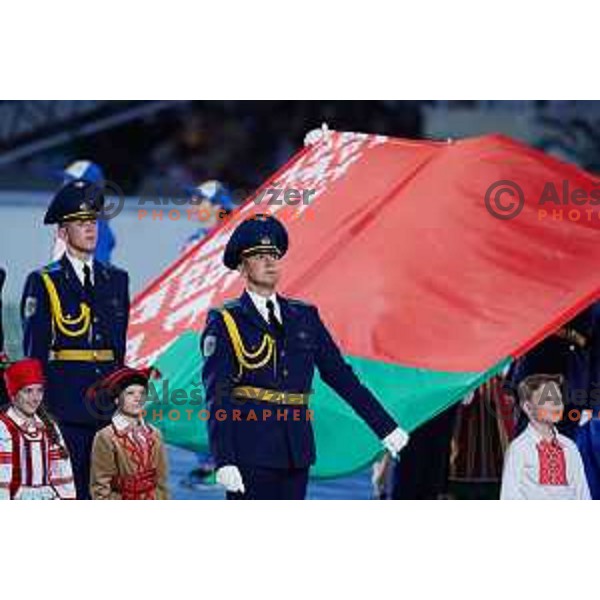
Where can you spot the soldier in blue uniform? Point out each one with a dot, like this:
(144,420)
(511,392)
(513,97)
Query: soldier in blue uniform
(260,352)
(75,313)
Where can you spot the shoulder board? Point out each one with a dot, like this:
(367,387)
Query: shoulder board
(230,304)
(110,269)
(53,267)
(299,303)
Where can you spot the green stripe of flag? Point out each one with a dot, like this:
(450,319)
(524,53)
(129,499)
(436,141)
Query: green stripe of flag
(344,443)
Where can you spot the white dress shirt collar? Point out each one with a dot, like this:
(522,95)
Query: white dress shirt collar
(260,302)
(537,436)
(78,264)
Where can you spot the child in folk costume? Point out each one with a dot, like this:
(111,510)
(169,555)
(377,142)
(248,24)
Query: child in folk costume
(34,462)
(128,456)
(540,463)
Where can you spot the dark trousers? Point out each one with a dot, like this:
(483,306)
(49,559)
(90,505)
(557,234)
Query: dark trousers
(263,483)
(4,400)
(422,471)
(79,439)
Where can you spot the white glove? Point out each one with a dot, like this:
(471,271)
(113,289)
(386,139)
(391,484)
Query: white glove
(586,415)
(314,136)
(395,441)
(468,399)
(230,478)
(379,475)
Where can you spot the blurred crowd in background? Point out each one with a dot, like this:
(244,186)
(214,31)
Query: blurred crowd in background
(236,142)
(240,143)
(170,144)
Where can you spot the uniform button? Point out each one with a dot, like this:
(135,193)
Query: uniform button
(283,353)
(98,337)
(95,319)
(285,372)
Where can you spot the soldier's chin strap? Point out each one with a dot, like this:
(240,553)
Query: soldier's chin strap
(65,325)
(246,359)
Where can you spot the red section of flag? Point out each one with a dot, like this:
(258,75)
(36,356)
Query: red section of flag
(402,256)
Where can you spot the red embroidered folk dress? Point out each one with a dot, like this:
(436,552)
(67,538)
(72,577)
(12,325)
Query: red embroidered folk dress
(32,467)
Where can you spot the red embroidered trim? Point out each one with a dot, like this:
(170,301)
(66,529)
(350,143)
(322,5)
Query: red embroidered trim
(141,486)
(45,457)
(15,482)
(28,463)
(140,446)
(553,466)
(61,480)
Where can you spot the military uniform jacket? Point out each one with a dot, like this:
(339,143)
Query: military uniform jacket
(56,319)
(306,343)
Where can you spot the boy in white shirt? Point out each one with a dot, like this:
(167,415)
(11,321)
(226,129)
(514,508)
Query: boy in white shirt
(542,464)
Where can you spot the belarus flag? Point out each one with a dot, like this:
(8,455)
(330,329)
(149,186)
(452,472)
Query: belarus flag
(410,252)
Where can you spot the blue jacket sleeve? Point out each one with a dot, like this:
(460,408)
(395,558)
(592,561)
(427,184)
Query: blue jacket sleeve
(36,319)
(121,342)
(218,373)
(340,376)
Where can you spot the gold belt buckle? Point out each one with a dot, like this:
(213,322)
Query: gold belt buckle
(82,355)
(271,396)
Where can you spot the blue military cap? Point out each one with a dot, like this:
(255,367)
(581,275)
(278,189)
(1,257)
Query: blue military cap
(213,191)
(76,200)
(255,235)
(83,169)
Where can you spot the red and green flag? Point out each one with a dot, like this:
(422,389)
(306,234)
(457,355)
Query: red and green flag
(411,251)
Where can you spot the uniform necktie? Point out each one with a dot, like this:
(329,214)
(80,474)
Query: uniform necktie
(87,281)
(274,322)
